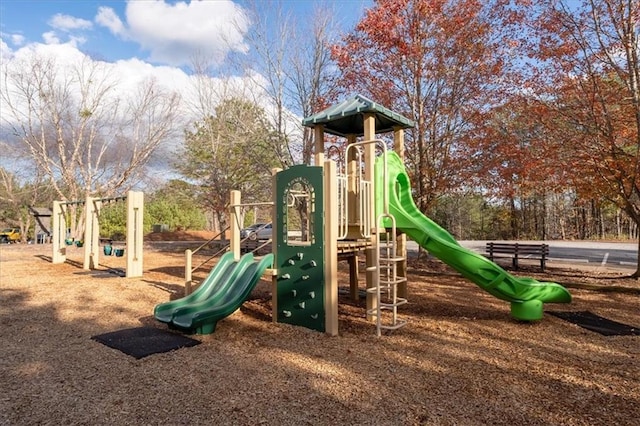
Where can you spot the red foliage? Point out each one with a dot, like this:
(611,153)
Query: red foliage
(440,63)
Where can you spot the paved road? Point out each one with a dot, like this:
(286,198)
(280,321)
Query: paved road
(623,255)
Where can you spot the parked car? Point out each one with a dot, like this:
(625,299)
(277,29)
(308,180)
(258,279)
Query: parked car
(257,231)
(10,235)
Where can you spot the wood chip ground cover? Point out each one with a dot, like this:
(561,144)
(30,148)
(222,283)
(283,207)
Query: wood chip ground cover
(461,360)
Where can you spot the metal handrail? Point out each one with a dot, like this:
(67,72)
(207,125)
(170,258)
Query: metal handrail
(188,269)
(188,253)
(210,240)
(364,185)
(343,203)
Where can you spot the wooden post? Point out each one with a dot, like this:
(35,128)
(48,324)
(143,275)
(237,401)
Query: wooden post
(275,228)
(318,145)
(353,277)
(135,230)
(330,248)
(369,159)
(92,233)
(234,217)
(188,278)
(59,230)
(352,181)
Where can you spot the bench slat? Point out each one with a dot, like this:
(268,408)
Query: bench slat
(541,251)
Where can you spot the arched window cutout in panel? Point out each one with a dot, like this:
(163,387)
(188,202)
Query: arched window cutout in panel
(298,223)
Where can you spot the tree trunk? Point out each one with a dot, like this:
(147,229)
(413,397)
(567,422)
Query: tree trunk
(636,274)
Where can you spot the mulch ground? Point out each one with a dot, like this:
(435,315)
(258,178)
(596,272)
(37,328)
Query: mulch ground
(461,359)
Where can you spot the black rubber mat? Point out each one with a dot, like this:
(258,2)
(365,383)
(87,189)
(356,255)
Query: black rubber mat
(140,342)
(593,322)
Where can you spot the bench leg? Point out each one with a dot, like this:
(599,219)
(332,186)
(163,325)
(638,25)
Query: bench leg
(514,261)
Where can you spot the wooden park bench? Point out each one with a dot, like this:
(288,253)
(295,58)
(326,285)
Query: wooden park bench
(518,250)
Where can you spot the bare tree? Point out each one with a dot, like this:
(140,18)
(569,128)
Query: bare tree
(17,194)
(290,62)
(87,135)
(311,72)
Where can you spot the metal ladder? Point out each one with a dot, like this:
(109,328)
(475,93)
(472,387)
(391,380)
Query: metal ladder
(387,280)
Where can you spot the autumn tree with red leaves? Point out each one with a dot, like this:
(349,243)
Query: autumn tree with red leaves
(439,62)
(516,162)
(586,73)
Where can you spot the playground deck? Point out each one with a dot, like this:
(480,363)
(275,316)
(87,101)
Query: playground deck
(345,248)
(461,359)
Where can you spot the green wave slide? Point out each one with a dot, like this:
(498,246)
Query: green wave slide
(224,290)
(527,295)
(217,278)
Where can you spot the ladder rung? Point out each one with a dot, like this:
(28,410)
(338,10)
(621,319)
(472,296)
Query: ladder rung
(387,282)
(392,259)
(372,311)
(398,280)
(392,305)
(399,323)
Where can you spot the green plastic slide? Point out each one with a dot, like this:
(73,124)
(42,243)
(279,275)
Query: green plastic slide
(217,278)
(225,282)
(202,316)
(526,295)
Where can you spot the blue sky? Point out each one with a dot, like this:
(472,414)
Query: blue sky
(157,32)
(137,41)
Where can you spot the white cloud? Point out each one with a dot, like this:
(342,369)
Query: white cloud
(77,40)
(5,51)
(50,37)
(127,75)
(108,18)
(63,22)
(64,54)
(17,39)
(175,33)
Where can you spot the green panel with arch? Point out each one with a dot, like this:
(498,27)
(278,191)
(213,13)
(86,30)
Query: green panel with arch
(299,243)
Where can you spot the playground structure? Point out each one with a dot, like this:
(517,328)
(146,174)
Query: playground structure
(321,216)
(91,242)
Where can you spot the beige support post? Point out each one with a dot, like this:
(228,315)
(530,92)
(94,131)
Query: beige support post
(398,141)
(135,231)
(330,248)
(59,254)
(275,228)
(369,159)
(318,145)
(353,167)
(353,277)
(401,243)
(234,241)
(91,233)
(188,278)
(352,183)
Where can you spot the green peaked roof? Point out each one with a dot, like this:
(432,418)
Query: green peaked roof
(347,117)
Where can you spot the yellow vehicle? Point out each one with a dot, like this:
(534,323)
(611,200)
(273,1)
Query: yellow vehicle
(10,235)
